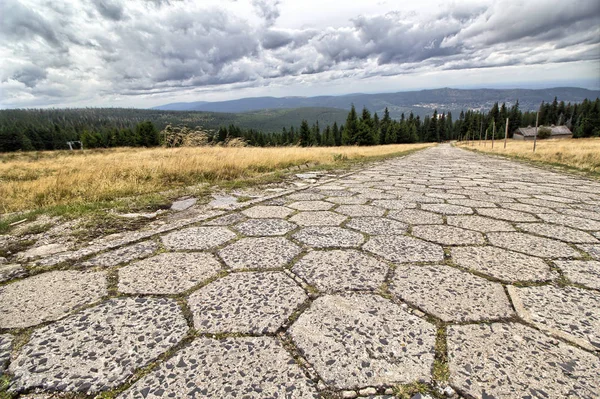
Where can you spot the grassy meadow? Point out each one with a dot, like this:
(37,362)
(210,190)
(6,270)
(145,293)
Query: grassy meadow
(36,180)
(578,154)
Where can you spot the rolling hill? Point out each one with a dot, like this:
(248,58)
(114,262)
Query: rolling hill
(420,102)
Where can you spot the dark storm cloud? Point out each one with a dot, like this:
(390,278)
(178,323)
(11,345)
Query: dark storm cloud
(160,46)
(109,9)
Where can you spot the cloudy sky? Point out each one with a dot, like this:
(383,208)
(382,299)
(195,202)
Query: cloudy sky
(142,53)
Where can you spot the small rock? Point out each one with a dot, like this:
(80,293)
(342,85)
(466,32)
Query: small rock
(182,205)
(448,391)
(348,394)
(3,260)
(421,396)
(418,313)
(389,391)
(321,386)
(367,391)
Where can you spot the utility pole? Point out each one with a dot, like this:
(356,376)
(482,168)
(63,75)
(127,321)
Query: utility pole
(537,118)
(485,141)
(493,134)
(506,133)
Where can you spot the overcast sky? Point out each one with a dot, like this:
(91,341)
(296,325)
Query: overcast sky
(142,53)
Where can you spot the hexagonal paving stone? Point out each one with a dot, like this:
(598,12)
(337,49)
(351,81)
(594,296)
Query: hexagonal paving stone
(167,273)
(122,255)
(311,205)
(567,312)
(259,253)
(479,223)
(586,273)
(347,200)
(415,216)
(251,368)
(450,294)
(558,232)
(197,238)
(364,340)
(48,296)
(265,227)
(318,218)
(507,214)
(396,205)
(571,221)
(249,303)
(532,245)
(339,270)
(100,347)
(267,212)
(377,226)
(305,196)
(447,209)
(515,361)
(360,210)
(226,220)
(329,237)
(6,341)
(592,250)
(402,249)
(502,264)
(448,235)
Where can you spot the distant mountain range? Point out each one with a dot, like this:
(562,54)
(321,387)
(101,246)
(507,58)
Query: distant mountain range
(419,102)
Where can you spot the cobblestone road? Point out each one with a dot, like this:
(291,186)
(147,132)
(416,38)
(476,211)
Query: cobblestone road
(443,267)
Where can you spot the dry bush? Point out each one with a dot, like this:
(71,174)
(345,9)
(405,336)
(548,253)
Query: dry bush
(34,180)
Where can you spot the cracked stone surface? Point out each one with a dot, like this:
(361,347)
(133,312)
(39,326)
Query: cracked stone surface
(274,279)
(167,273)
(364,340)
(338,270)
(122,255)
(450,294)
(11,271)
(532,245)
(515,361)
(48,296)
(252,368)
(448,235)
(197,238)
(568,312)
(377,226)
(502,264)
(586,273)
(6,341)
(318,218)
(402,249)
(328,237)
(99,347)
(249,303)
(267,212)
(259,253)
(265,227)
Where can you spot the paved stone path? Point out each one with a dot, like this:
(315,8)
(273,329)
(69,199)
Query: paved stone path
(455,270)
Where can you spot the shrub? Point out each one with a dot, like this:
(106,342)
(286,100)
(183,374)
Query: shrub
(544,133)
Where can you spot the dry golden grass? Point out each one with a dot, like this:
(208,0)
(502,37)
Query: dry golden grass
(41,179)
(581,154)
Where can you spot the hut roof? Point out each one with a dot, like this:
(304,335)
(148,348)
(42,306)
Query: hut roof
(556,130)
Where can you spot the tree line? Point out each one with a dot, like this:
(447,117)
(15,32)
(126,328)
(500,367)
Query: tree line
(51,129)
